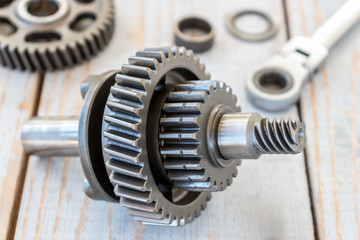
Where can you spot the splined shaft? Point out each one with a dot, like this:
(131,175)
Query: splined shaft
(248,135)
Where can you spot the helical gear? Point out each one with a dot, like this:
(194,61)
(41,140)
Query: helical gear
(183,136)
(131,136)
(77,31)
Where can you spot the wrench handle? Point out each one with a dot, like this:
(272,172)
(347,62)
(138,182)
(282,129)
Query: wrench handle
(338,24)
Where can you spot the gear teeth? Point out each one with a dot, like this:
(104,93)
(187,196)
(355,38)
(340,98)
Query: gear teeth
(121,153)
(136,205)
(156,216)
(189,108)
(49,57)
(144,62)
(128,182)
(180,136)
(187,175)
(129,81)
(172,163)
(182,96)
(133,194)
(130,94)
(126,103)
(136,71)
(159,56)
(120,137)
(125,168)
(179,121)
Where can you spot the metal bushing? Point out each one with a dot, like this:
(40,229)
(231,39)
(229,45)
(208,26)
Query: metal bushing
(271,30)
(194,33)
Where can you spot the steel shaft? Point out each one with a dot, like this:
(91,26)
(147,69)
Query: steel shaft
(248,135)
(51,136)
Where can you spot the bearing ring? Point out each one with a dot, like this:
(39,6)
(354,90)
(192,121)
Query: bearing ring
(272,29)
(194,42)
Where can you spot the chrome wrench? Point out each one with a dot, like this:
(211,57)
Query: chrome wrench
(276,85)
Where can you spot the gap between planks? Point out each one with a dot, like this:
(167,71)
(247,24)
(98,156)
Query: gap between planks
(298,106)
(25,160)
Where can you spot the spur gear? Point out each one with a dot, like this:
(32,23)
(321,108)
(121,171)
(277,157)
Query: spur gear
(46,35)
(131,137)
(183,140)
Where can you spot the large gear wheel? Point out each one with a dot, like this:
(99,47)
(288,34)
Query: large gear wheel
(130,140)
(53,34)
(184,138)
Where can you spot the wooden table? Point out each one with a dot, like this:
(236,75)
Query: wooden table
(309,196)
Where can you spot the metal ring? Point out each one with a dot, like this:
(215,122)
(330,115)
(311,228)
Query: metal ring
(61,12)
(272,29)
(195,43)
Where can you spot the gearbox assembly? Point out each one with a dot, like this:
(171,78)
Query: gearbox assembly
(159,136)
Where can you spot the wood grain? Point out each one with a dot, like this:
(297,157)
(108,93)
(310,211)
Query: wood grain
(18,92)
(331,112)
(269,198)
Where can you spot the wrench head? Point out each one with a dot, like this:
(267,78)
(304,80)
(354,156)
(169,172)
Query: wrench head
(276,85)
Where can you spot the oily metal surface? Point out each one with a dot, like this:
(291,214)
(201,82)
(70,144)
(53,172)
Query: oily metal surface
(48,35)
(183,136)
(130,138)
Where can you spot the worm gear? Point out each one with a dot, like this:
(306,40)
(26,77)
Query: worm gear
(46,35)
(184,146)
(131,137)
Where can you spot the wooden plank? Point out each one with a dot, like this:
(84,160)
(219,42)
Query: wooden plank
(269,198)
(18,92)
(331,111)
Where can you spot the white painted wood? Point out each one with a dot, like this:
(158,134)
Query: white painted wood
(269,198)
(17,94)
(331,109)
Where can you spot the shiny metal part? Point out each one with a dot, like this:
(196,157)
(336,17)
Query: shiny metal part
(51,136)
(160,137)
(271,30)
(276,85)
(194,33)
(77,136)
(199,112)
(183,136)
(45,35)
(248,135)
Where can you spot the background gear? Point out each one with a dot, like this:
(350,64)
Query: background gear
(47,35)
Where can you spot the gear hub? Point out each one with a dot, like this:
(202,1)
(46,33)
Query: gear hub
(170,136)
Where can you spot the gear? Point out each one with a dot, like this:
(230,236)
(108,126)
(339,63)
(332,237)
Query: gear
(183,136)
(130,140)
(48,35)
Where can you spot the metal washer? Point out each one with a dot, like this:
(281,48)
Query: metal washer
(195,43)
(270,31)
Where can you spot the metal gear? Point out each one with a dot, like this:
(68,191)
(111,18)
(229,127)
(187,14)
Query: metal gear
(53,34)
(131,136)
(184,148)
(142,125)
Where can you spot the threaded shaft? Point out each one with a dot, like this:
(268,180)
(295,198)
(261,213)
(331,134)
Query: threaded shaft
(284,137)
(248,135)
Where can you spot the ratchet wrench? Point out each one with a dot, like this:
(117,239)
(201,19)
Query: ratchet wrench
(276,85)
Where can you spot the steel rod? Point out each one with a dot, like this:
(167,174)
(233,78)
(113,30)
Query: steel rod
(51,136)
